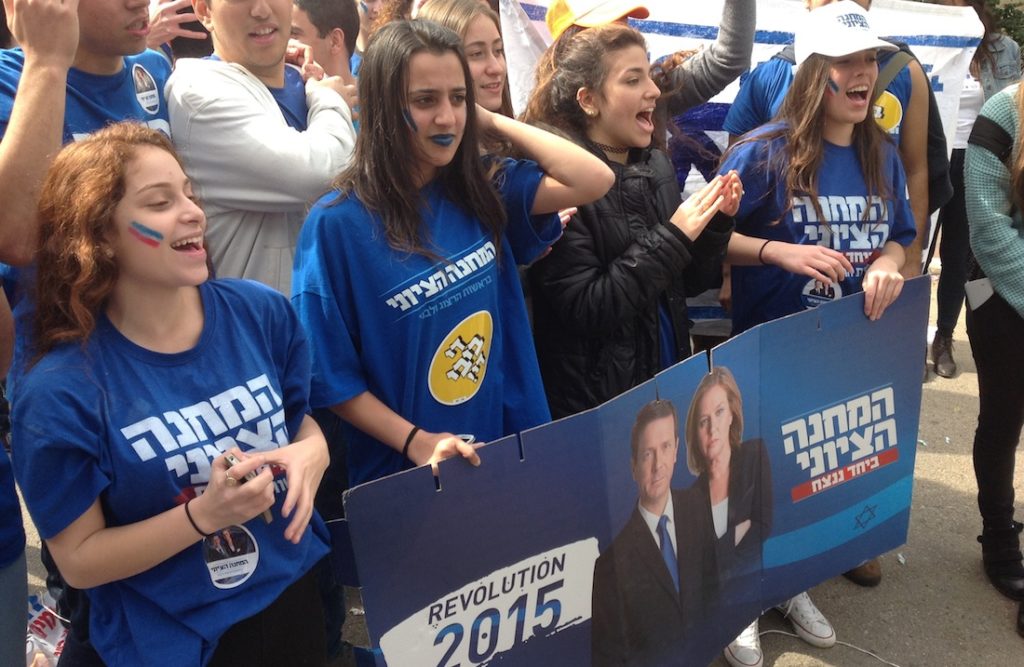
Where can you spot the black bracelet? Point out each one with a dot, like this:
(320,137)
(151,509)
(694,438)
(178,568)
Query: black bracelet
(760,253)
(408,440)
(192,521)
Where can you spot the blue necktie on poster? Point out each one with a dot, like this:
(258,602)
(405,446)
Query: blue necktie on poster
(667,552)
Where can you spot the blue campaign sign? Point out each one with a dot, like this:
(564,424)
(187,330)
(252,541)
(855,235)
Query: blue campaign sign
(652,529)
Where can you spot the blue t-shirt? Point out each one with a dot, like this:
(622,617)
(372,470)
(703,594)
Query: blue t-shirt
(446,344)
(93,100)
(138,429)
(292,99)
(763,90)
(764,293)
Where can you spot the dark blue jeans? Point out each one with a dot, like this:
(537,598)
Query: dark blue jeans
(954,250)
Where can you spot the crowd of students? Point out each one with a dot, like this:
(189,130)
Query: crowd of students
(163,387)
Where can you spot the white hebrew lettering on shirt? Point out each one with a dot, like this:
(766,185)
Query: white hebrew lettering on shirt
(843,225)
(250,415)
(446,275)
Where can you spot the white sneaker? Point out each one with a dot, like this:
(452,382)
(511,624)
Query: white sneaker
(809,623)
(745,650)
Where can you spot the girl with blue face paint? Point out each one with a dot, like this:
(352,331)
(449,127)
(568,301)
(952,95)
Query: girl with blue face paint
(821,145)
(405,275)
(825,213)
(129,334)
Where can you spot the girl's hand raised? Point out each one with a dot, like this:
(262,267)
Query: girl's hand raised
(693,215)
(732,193)
(484,121)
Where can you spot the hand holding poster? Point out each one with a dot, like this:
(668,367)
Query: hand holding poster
(530,558)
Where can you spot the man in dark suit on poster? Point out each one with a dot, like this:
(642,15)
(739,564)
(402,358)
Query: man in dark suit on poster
(655,579)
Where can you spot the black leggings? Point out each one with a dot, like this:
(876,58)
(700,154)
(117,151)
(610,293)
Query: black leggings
(996,332)
(954,249)
(288,632)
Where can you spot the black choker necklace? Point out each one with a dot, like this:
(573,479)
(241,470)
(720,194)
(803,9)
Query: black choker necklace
(611,149)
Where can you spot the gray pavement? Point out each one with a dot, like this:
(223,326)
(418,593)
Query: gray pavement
(934,606)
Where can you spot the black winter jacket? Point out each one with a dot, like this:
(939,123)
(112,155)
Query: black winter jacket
(596,295)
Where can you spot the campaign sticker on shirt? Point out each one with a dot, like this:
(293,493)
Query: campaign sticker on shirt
(460,362)
(145,89)
(888,112)
(816,293)
(231,556)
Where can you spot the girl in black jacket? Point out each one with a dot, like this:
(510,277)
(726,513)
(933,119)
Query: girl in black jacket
(610,299)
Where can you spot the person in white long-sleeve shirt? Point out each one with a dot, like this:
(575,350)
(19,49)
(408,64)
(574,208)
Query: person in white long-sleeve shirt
(262,138)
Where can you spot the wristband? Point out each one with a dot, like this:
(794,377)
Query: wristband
(408,440)
(192,521)
(760,253)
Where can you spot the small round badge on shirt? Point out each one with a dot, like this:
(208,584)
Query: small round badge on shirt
(231,556)
(816,293)
(145,89)
(460,362)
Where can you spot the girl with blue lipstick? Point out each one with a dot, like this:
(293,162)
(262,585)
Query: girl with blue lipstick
(405,275)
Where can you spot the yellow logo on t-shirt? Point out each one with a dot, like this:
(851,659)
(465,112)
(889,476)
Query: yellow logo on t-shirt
(888,112)
(460,363)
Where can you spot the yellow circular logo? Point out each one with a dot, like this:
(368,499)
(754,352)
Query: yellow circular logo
(888,112)
(460,363)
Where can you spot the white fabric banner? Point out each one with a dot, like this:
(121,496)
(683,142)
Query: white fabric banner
(943,38)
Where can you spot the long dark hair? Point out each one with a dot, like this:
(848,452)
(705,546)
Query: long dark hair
(380,175)
(573,62)
(983,54)
(801,120)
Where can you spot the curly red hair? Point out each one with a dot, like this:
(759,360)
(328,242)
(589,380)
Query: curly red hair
(75,265)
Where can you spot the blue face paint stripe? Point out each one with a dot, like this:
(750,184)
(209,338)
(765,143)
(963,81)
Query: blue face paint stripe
(146,231)
(833,86)
(409,121)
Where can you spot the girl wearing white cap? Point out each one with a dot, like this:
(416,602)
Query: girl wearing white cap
(825,212)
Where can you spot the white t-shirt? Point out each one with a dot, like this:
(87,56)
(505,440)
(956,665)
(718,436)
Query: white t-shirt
(971,98)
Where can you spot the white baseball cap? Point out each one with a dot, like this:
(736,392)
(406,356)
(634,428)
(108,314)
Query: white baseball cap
(836,29)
